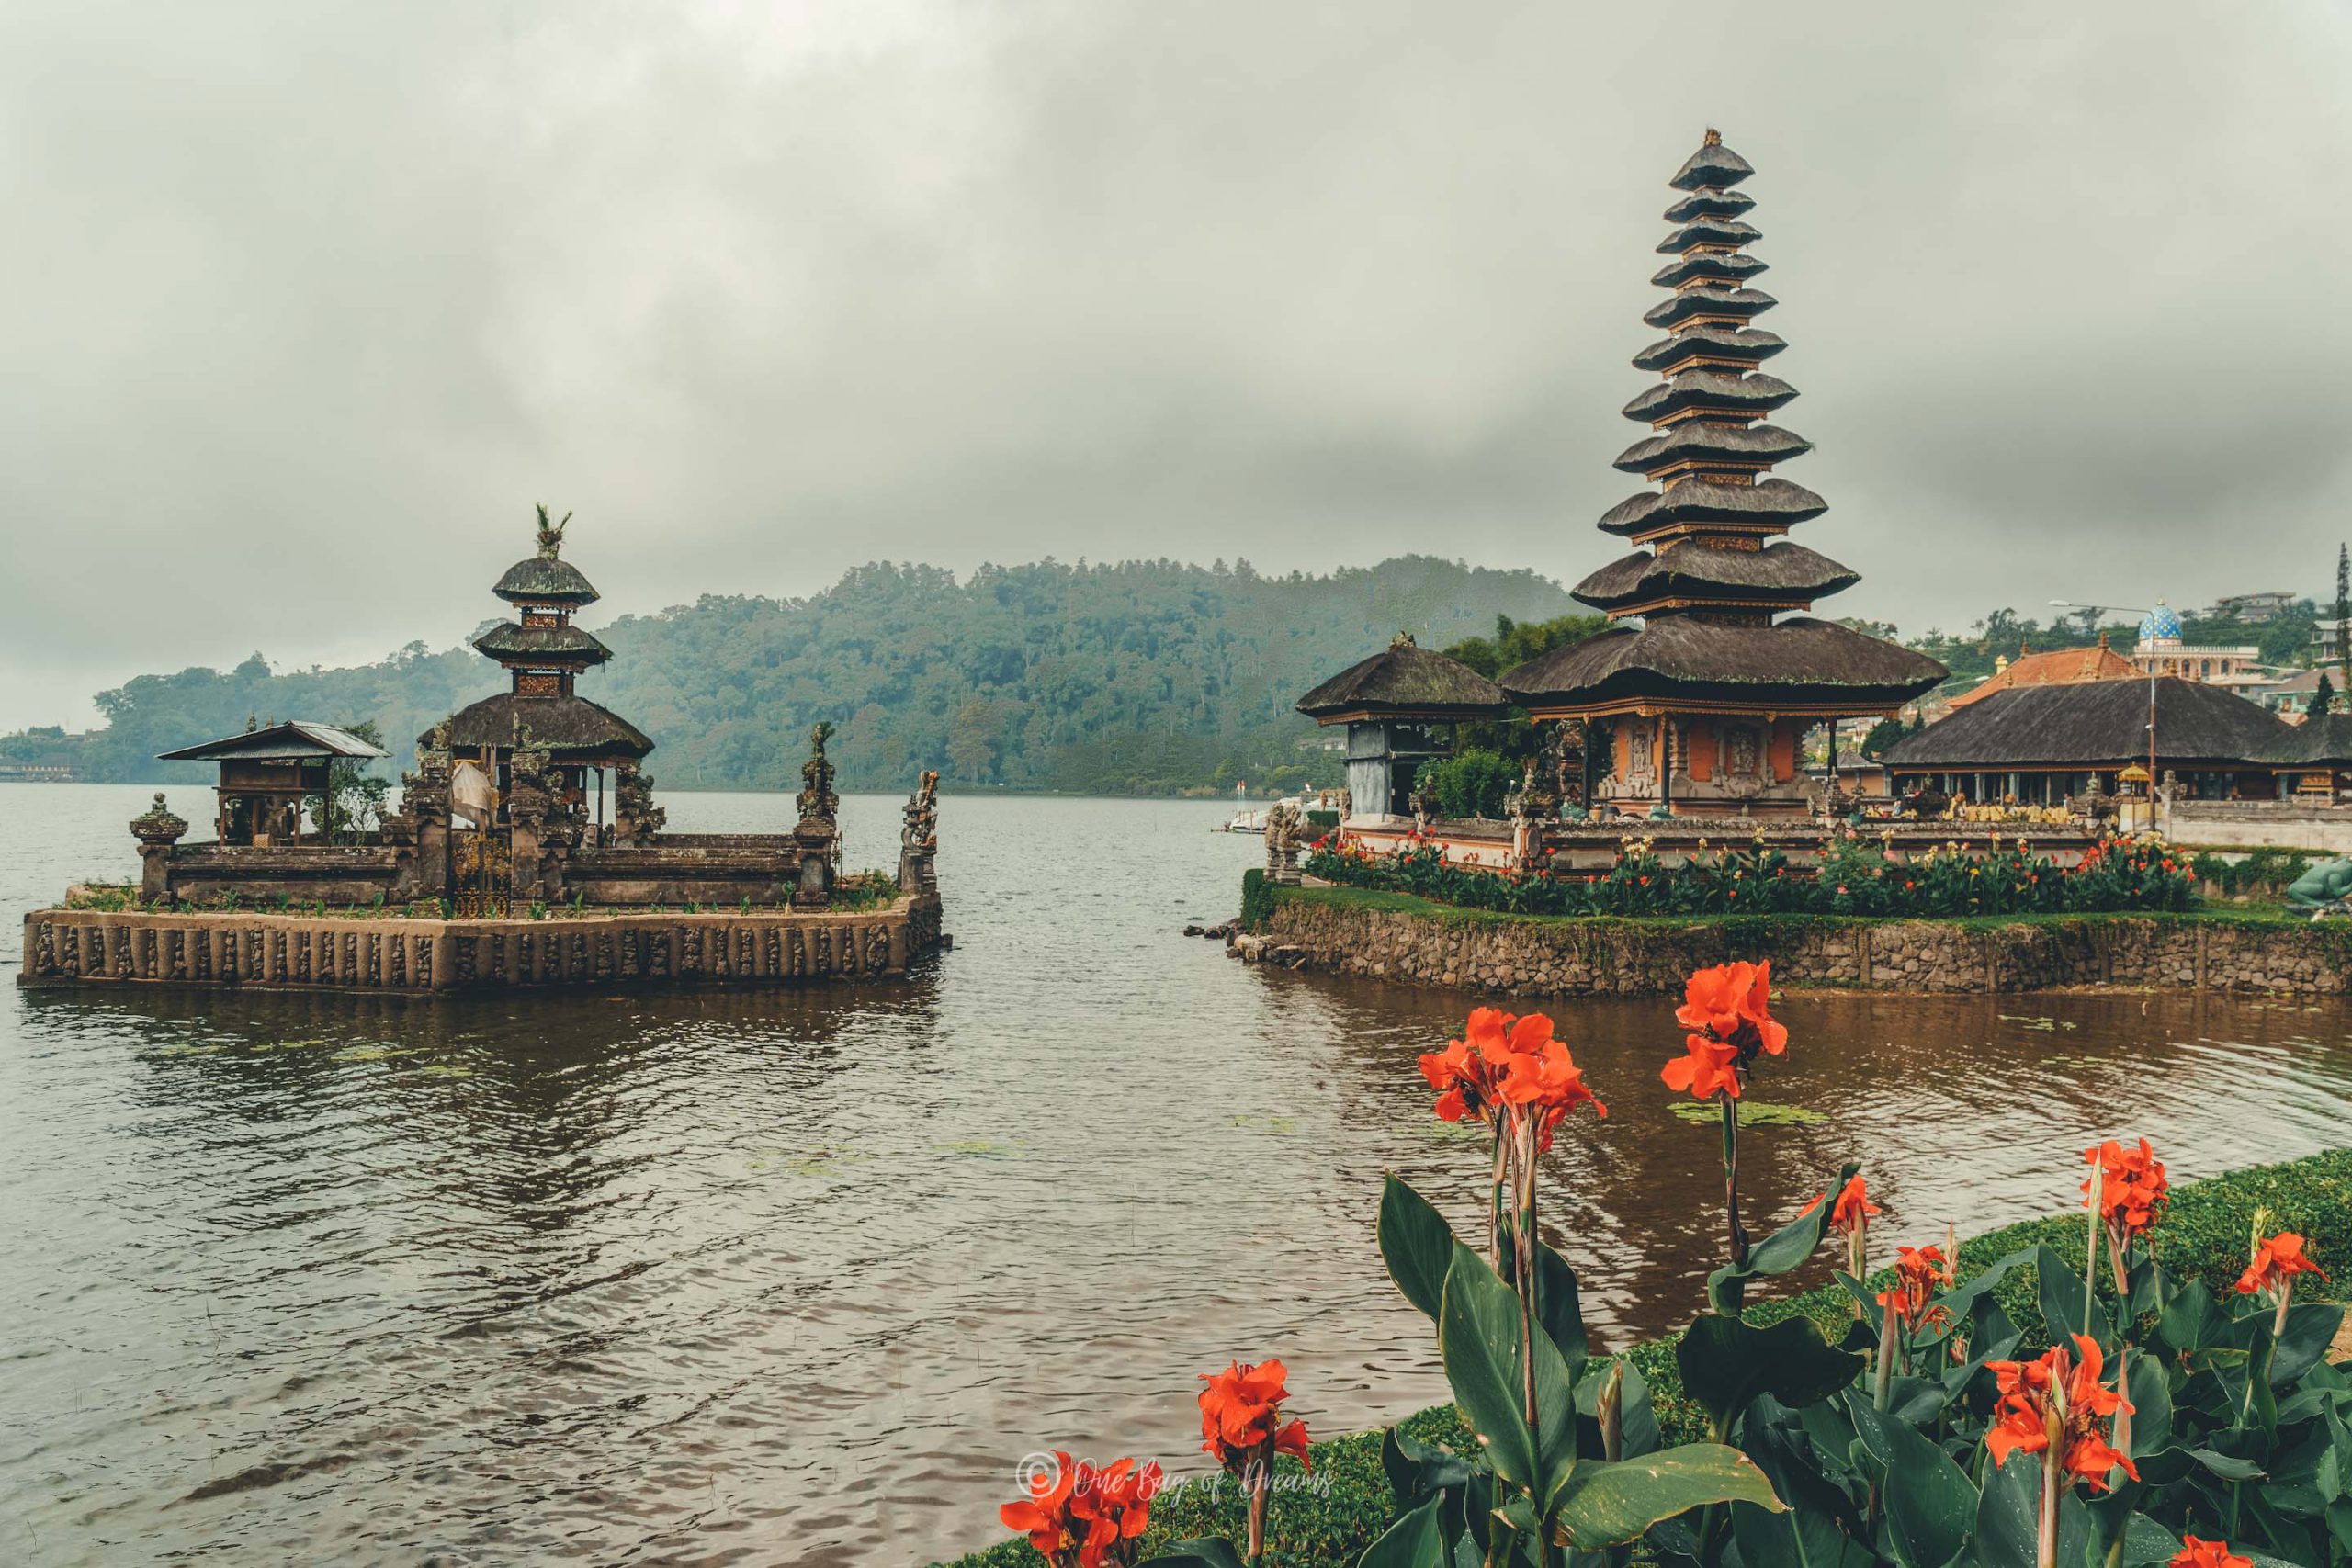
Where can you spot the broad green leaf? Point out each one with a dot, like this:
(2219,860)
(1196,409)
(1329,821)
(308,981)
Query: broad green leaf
(1478,1328)
(1607,1504)
(1784,1249)
(2191,1321)
(2060,1290)
(1416,1244)
(2151,1396)
(1821,1528)
(1726,1362)
(1559,1312)
(1960,1299)
(2146,1541)
(2311,1328)
(1417,1470)
(1930,1506)
(1637,1417)
(1416,1540)
(2007,1518)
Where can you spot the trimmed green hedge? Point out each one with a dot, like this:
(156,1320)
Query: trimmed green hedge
(2206,1232)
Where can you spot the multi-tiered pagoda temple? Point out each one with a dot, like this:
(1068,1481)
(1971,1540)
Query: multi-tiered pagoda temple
(1699,699)
(540,712)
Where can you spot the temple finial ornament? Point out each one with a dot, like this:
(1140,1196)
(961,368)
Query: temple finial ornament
(1403,639)
(551,534)
(1715,137)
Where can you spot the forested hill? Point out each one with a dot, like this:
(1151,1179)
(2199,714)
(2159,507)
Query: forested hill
(1142,677)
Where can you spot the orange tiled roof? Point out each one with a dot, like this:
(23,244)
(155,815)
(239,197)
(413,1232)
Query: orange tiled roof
(2061,666)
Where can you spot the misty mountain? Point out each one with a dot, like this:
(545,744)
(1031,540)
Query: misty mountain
(1139,677)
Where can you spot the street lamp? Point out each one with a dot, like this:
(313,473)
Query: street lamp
(2144,609)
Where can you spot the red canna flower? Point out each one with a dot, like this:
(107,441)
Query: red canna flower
(2276,1262)
(1853,1209)
(2059,1399)
(1469,1070)
(1547,1083)
(1077,1516)
(1709,1066)
(2132,1192)
(1917,1271)
(1728,1009)
(2196,1553)
(1239,1412)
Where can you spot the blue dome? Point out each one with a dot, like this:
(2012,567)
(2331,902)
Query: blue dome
(2160,625)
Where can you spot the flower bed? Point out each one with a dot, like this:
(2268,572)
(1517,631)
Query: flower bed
(1922,1417)
(1856,876)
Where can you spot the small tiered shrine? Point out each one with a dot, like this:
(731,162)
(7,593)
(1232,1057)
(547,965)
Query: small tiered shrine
(1698,700)
(575,745)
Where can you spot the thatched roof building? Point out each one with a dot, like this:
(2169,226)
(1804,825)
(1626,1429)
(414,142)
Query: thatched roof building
(1405,682)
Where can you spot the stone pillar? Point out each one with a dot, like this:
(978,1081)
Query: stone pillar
(157,830)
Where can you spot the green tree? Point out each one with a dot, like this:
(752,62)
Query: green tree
(2322,695)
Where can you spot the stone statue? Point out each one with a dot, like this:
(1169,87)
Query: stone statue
(1283,822)
(2324,889)
(918,837)
(157,825)
(817,802)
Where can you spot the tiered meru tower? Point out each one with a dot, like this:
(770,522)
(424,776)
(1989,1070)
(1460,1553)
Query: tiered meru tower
(1698,699)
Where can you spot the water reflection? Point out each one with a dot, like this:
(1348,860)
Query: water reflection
(793,1276)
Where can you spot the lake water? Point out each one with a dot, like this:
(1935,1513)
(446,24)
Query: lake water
(798,1277)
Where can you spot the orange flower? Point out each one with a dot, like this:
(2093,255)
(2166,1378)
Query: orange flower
(2277,1261)
(1917,1271)
(1239,1412)
(1853,1209)
(1547,1083)
(2059,1397)
(2132,1192)
(1468,1072)
(2196,1553)
(1077,1516)
(1727,1008)
(1708,1066)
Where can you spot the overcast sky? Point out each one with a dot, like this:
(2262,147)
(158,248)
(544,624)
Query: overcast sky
(308,303)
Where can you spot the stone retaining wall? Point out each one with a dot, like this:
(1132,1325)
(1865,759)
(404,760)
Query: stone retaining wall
(1569,957)
(228,948)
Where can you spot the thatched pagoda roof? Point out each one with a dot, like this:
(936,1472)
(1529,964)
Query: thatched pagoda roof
(1767,502)
(1801,662)
(1712,166)
(1405,682)
(553,645)
(1718,343)
(545,580)
(1709,204)
(1700,441)
(1710,231)
(1672,313)
(1780,573)
(1753,393)
(1729,268)
(572,728)
(2096,723)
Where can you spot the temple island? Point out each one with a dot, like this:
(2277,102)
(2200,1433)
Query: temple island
(527,850)
(1690,719)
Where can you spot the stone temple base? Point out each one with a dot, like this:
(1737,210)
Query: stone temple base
(372,954)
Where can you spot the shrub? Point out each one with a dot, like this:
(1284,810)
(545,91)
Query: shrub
(1257,899)
(1471,784)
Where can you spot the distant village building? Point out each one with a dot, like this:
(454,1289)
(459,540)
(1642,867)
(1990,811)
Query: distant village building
(2252,609)
(2162,651)
(1698,700)
(2059,667)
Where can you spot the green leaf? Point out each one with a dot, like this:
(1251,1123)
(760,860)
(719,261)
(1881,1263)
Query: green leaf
(1636,1416)
(1559,1312)
(1416,1244)
(1417,1470)
(1930,1506)
(2191,1321)
(1415,1541)
(2061,1291)
(1477,1332)
(1821,1528)
(1726,1362)
(2007,1528)
(1607,1504)
(2146,1541)
(1784,1249)
(2311,1328)
(2149,1392)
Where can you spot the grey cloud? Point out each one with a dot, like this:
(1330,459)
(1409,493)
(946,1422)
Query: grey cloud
(311,303)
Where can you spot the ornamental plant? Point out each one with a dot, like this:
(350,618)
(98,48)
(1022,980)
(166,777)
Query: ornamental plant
(2129,1419)
(1241,1425)
(1082,1515)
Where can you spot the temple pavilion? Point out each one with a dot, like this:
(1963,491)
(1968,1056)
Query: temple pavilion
(545,655)
(1401,707)
(1698,699)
